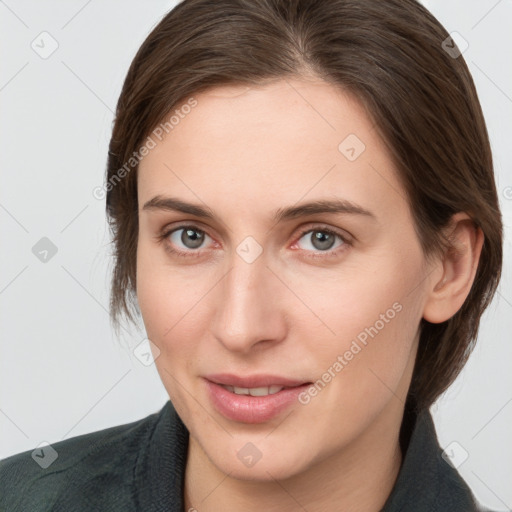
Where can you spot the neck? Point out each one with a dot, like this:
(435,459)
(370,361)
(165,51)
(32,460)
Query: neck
(359,477)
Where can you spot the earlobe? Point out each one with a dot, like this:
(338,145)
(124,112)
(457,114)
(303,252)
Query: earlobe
(459,266)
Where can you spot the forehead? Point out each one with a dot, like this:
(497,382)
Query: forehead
(272,144)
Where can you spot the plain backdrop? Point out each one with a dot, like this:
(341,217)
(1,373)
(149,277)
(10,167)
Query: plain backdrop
(62,371)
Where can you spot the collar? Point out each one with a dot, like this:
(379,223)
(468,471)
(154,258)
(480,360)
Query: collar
(426,481)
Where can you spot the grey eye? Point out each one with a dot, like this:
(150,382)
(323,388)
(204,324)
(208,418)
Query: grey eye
(191,238)
(321,239)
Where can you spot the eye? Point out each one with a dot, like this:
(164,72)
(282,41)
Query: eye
(184,240)
(322,240)
(191,237)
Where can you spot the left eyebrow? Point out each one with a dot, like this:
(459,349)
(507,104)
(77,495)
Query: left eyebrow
(281,214)
(322,206)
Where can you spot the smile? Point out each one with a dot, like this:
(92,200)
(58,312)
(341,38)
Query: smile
(252,399)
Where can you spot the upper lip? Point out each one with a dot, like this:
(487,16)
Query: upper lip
(253,381)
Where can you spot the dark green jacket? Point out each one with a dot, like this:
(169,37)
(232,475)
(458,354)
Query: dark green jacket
(140,466)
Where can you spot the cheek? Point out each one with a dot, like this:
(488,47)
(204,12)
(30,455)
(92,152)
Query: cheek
(155,295)
(353,301)
(370,317)
(157,290)
(166,304)
(171,302)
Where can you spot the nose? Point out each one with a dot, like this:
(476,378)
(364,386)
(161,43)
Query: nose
(249,309)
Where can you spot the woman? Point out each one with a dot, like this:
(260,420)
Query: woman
(303,207)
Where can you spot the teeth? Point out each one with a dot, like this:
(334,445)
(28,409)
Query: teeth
(263,391)
(274,389)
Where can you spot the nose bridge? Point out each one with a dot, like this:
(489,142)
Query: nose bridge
(246,313)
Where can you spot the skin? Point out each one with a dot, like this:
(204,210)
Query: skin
(245,152)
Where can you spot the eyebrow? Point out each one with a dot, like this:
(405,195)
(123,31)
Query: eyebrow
(290,212)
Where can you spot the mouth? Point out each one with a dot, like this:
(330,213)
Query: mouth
(254,399)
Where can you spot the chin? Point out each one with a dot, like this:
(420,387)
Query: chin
(257,461)
(263,471)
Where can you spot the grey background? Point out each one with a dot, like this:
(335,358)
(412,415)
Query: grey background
(62,372)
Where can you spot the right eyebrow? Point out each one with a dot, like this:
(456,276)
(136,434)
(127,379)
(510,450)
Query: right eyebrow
(174,204)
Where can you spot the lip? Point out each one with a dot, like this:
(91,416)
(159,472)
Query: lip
(252,409)
(253,381)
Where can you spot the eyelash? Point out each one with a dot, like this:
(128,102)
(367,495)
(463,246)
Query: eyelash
(162,238)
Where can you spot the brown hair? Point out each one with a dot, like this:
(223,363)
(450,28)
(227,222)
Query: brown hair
(391,56)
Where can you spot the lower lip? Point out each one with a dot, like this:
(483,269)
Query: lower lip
(252,409)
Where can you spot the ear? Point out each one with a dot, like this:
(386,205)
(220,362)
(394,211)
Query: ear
(455,272)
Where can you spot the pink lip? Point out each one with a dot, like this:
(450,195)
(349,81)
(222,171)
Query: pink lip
(252,409)
(254,381)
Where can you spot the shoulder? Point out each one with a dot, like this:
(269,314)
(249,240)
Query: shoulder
(86,469)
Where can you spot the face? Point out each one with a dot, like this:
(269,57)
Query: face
(314,309)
